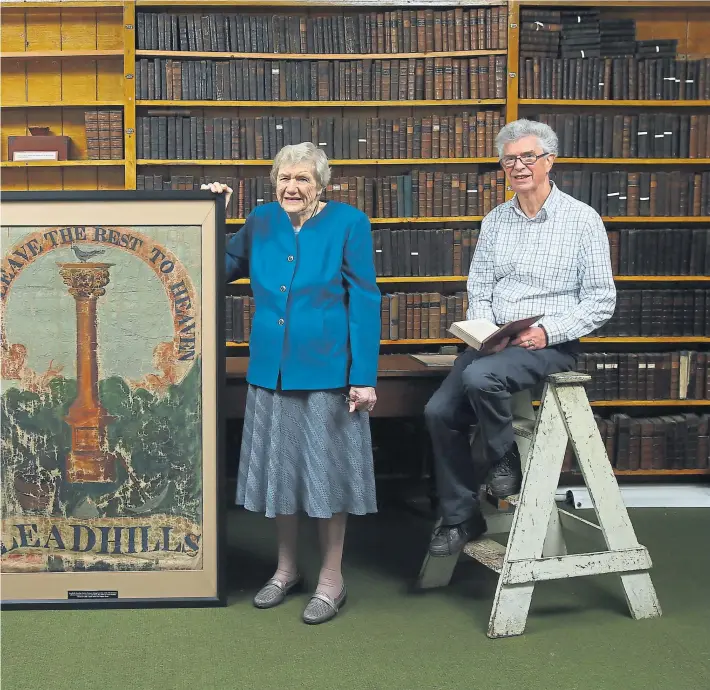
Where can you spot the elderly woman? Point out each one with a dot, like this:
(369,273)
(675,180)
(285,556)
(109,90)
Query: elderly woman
(312,369)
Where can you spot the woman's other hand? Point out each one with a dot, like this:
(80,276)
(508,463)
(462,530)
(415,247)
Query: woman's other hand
(362,398)
(220,188)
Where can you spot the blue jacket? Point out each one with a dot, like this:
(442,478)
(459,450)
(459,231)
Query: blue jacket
(317,317)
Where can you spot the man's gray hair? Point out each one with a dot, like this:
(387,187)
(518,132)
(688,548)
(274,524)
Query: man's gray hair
(298,153)
(518,129)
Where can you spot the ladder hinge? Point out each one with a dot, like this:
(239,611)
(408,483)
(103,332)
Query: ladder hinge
(512,75)
(130,130)
(129,76)
(129,26)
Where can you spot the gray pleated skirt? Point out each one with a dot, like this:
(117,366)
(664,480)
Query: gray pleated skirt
(304,451)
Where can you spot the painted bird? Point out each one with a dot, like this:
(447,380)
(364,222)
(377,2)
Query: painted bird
(83,255)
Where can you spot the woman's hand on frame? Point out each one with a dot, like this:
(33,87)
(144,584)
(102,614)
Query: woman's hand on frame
(220,188)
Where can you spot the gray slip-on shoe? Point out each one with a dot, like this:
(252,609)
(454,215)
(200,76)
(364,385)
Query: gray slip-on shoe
(322,608)
(274,592)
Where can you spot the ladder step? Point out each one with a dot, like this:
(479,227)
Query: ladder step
(486,551)
(500,503)
(524,427)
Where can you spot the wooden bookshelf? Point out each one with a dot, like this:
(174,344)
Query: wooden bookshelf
(610,340)
(34,54)
(319,104)
(618,103)
(629,220)
(332,161)
(83,56)
(64,104)
(314,56)
(463,279)
(63,4)
(401,221)
(632,161)
(93,162)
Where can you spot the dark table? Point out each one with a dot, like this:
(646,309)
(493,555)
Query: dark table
(404,386)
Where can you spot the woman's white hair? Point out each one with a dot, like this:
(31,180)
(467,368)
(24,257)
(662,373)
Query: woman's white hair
(519,129)
(298,153)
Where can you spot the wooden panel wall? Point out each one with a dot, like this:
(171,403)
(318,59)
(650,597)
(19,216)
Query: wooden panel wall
(77,80)
(58,79)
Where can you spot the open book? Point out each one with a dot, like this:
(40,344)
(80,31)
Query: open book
(481,334)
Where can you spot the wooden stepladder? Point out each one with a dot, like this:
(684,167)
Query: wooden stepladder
(536,548)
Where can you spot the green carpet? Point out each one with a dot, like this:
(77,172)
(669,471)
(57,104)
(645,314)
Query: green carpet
(579,634)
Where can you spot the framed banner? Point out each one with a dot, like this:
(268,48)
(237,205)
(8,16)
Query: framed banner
(113,355)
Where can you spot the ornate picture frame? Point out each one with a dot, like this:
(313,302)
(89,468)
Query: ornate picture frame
(113,359)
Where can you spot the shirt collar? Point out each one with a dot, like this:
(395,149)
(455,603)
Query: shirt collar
(548,208)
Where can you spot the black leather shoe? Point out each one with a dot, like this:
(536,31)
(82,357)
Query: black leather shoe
(448,540)
(506,476)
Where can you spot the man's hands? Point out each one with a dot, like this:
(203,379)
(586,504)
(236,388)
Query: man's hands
(496,348)
(531,338)
(362,398)
(220,188)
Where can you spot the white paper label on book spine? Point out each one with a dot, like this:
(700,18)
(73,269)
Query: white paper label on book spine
(275,70)
(414,253)
(279,126)
(363,141)
(642,133)
(645,198)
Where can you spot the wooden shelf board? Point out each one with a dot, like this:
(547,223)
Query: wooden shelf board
(60,4)
(398,221)
(640,104)
(62,164)
(615,3)
(261,4)
(474,219)
(463,279)
(63,104)
(31,54)
(321,56)
(634,161)
(656,219)
(332,161)
(652,339)
(315,104)
(662,279)
(394,279)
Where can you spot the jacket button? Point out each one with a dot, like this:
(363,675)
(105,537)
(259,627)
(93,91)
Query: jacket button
(281,322)
(290,258)
(283,288)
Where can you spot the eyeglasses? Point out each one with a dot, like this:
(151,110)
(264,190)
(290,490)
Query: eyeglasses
(527,159)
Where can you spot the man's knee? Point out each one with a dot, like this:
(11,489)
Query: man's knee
(438,411)
(477,377)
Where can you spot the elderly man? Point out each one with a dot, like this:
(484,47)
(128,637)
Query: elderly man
(541,253)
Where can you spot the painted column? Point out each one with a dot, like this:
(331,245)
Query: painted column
(89,459)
